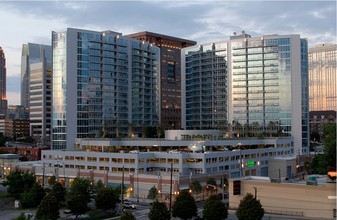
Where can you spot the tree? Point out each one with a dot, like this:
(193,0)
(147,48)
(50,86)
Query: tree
(59,192)
(159,211)
(32,197)
(153,192)
(215,209)
(184,206)
(81,185)
(249,208)
(106,198)
(98,185)
(78,196)
(49,208)
(19,182)
(77,203)
(128,216)
(321,164)
(52,180)
(196,187)
(329,141)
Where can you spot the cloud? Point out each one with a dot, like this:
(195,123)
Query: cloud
(200,20)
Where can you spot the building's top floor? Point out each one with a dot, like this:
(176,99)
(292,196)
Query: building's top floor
(313,180)
(106,37)
(323,47)
(162,40)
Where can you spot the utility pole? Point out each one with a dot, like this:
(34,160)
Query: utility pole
(171,188)
(43,168)
(122,187)
(223,188)
(137,186)
(255,189)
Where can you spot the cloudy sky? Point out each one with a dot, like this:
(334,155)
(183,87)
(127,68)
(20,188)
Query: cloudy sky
(202,21)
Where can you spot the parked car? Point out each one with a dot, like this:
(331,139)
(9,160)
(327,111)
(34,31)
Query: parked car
(129,205)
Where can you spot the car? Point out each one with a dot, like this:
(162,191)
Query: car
(129,205)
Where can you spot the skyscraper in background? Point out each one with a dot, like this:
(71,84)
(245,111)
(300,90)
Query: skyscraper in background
(104,85)
(170,74)
(31,53)
(262,82)
(40,100)
(322,77)
(3,101)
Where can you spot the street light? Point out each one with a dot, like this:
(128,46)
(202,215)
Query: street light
(137,185)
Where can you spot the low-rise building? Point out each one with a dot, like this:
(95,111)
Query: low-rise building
(297,198)
(7,162)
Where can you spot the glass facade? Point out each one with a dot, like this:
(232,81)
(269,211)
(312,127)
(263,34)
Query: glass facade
(261,92)
(266,92)
(322,77)
(206,83)
(59,114)
(116,85)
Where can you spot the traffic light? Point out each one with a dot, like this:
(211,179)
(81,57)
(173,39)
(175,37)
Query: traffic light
(236,187)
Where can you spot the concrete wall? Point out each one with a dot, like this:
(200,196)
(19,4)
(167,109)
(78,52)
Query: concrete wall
(289,198)
(278,167)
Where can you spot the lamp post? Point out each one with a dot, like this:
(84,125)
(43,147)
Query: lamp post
(137,186)
(122,196)
(43,170)
(171,188)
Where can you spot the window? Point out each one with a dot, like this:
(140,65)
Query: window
(171,70)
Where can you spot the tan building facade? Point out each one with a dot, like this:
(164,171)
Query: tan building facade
(322,77)
(296,199)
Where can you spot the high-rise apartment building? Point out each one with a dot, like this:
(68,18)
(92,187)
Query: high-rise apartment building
(254,86)
(3,101)
(104,85)
(204,86)
(31,53)
(40,100)
(322,77)
(170,74)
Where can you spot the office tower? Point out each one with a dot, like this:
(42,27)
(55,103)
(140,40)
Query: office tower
(31,53)
(3,101)
(322,77)
(266,86)
(104,85)
(40,100)
(170,75)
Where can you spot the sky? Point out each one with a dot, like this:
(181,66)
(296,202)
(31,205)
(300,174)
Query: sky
(199,20)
